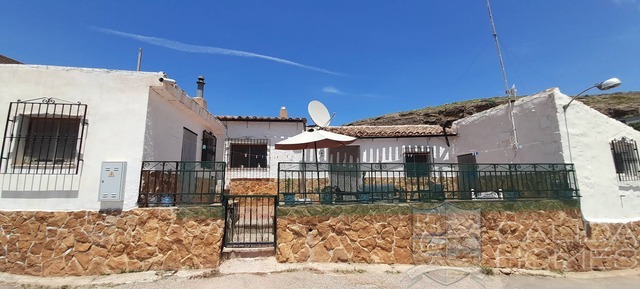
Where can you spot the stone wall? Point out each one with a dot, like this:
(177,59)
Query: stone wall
(558,240)
(253,187)
(546,235)
(92,243)
(380,238)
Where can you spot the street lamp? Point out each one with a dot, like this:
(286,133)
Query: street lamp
(607,84)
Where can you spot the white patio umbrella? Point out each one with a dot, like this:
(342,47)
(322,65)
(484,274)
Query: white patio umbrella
(315,139)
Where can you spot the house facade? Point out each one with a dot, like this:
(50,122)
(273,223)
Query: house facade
(394,144)
(64,124)
(54,162)
(78,142)
(250,154)
(539,129)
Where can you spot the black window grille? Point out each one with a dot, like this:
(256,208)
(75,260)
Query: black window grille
(208,146)
(43,136)
(417,162)
(625,158)
(248,153)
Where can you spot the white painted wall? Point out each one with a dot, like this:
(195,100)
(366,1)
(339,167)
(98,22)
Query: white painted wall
(131,117)
(589,133)
(490,133)
(169,112)
(273,131)
(117,104)
(547,135)
(391,150)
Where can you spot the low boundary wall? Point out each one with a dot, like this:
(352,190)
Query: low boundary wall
(544,235)
(92,243)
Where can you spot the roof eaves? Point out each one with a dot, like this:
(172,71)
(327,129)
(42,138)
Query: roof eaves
(260,118)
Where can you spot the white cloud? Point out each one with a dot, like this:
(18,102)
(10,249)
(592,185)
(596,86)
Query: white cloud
(332,90)
(627,2)
(620,2)
(207,49)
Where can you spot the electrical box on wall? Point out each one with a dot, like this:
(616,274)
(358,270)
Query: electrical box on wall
(112,181)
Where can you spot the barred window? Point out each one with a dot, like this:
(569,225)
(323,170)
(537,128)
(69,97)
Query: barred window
(208,146)
(625,158)
(43,137)
(417,162)
(248,153)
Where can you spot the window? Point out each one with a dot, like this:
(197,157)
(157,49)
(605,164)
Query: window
(625,158)
(247,153)
(417,162)
(344,155)
(49,141)
(43,137)
(208,146)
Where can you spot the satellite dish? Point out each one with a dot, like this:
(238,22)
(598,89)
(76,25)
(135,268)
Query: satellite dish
(319,113)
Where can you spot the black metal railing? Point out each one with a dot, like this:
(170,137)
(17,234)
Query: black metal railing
(250,220)
(327,183)
(174,183)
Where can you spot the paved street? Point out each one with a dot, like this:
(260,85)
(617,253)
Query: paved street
(346,279)
(266,273)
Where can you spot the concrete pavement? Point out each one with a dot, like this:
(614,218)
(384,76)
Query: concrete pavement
(265,272)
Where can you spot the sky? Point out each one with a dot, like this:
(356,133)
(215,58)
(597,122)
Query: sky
(360,58)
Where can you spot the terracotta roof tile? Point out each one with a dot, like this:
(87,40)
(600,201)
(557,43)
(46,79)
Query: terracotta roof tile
(363,131)
(7,60)
(260,118)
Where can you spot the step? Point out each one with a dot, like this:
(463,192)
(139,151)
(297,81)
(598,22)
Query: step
(254,252)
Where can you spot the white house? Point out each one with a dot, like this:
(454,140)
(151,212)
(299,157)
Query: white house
(392,144)
(249,144)
(538,129)
(63,123)
(78,138)
(70,132)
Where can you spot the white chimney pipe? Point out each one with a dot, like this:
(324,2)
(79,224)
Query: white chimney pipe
(283,112)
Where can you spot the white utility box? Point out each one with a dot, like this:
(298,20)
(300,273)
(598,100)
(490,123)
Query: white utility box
(112,181)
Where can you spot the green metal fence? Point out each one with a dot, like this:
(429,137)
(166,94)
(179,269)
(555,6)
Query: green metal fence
(327,183)
(172,183)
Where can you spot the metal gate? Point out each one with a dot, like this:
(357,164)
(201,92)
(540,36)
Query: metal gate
(250,221)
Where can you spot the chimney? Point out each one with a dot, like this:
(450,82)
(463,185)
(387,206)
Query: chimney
(283,112)
(200,93)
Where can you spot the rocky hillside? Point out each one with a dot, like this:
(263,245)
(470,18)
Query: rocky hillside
(616,105)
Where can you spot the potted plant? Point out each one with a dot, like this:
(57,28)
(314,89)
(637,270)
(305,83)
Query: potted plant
(289,197)
(326,195)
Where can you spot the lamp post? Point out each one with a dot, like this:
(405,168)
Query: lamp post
(605,85)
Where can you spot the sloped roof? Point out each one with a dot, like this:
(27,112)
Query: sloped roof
(260,118)
(7,60)
(362,131)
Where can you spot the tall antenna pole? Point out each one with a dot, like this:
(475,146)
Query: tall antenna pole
(139,58)
(510,92)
